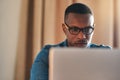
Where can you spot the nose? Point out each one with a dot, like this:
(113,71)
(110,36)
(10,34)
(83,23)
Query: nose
(81,35)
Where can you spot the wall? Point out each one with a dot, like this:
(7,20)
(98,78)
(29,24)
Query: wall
(9,28)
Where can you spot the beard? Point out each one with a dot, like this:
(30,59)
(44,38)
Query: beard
(79,43)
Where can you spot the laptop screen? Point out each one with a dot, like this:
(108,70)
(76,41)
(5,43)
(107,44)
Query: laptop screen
(84,64)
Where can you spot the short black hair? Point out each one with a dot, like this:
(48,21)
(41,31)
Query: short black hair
(79,8)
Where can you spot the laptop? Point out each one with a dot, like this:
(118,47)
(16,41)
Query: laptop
(84,64)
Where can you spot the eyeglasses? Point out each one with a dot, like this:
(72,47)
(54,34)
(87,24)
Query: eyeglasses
(75,30)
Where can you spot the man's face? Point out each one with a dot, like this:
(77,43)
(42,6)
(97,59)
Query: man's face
(76,27)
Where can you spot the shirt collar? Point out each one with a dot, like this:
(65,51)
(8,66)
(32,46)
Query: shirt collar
(65,43)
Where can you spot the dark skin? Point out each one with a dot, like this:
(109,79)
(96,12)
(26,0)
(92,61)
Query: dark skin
(81,21)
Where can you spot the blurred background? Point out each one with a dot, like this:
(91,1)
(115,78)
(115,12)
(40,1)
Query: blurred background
(27,25)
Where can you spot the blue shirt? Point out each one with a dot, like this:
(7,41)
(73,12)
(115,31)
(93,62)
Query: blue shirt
(40,66)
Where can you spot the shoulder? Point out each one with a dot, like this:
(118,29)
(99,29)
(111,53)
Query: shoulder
(99,46)
(46,48)
(44,52)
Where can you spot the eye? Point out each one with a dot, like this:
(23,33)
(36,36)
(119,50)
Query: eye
(88,30)
(74,29)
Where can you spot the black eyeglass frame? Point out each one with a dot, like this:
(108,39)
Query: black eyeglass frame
(80,29)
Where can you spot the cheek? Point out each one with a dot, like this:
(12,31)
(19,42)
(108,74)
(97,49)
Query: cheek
(71,38)
(89,37)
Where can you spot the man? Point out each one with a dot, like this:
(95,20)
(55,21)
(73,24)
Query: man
(78,27)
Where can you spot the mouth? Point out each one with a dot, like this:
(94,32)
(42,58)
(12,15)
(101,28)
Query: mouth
(81,44)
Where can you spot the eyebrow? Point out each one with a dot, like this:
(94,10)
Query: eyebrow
(78,26)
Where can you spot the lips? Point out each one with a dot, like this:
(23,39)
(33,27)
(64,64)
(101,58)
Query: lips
(80,43)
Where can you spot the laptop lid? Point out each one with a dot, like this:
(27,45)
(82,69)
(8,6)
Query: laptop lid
(84,64)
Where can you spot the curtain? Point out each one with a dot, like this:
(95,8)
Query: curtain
(116,24)
(38,26)
(44,26)
(53,19)
(28,25)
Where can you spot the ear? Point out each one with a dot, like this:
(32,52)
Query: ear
(94,25)
(64,28)
(94,28)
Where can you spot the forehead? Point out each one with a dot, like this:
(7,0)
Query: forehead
(80,18)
